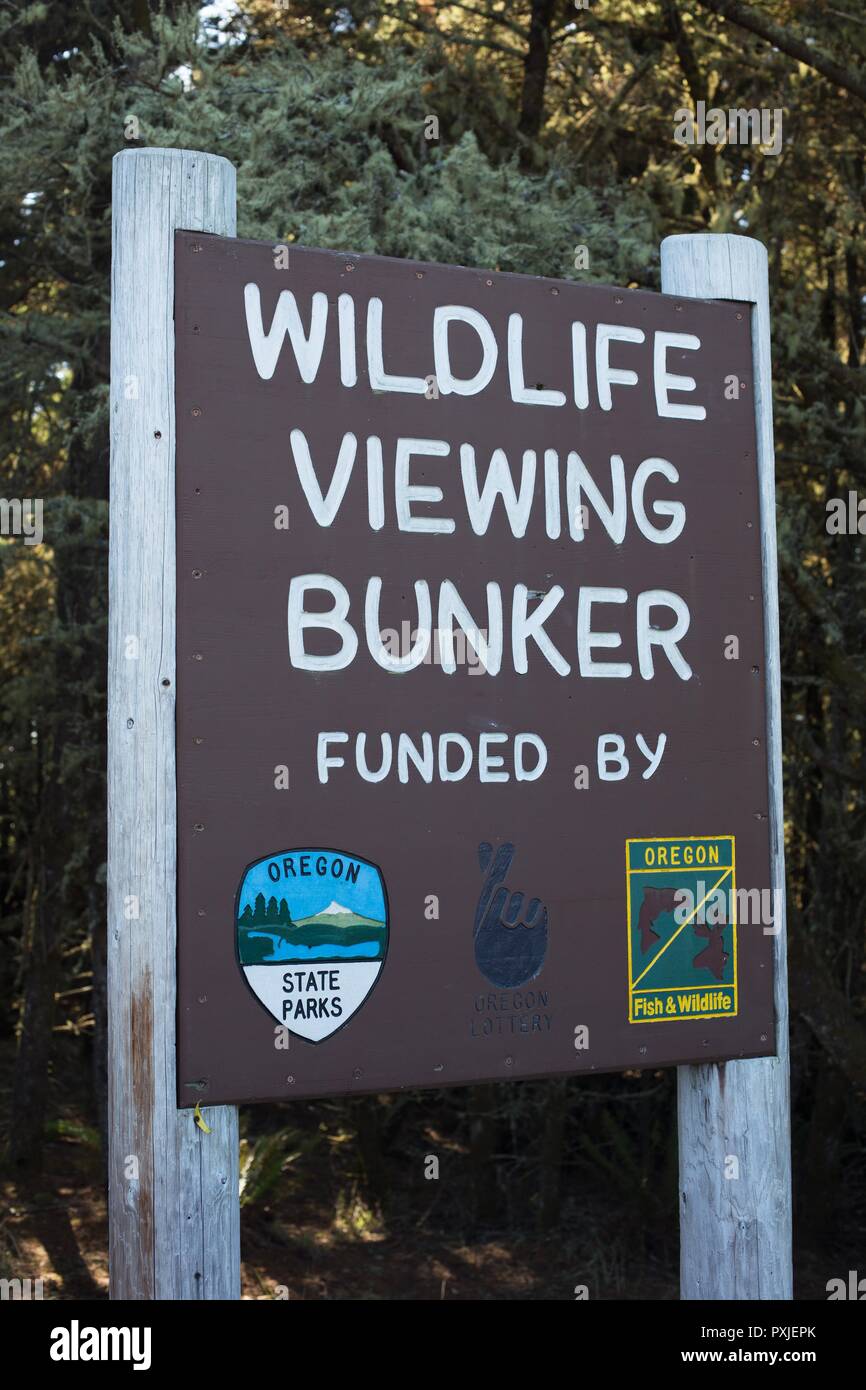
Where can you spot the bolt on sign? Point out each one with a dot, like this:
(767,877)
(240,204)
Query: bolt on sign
(472,778)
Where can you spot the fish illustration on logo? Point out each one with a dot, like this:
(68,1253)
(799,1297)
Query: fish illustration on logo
(508,951)
(312,936)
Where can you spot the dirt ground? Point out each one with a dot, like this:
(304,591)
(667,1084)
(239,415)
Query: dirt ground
(309,1229)
(56,1228)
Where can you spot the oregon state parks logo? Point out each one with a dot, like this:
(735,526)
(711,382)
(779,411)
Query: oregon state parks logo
(312,936)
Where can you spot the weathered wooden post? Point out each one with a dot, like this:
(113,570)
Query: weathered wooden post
(734,1117)
(173,1189)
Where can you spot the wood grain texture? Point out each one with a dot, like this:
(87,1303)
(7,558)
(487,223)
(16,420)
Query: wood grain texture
(735,1234)
(174,1228)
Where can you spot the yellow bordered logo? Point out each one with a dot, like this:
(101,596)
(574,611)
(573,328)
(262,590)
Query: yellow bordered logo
(681,900)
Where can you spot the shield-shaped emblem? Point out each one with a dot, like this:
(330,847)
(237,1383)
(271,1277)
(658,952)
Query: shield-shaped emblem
(312,936)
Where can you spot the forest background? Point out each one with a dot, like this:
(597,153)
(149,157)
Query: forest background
(533,136)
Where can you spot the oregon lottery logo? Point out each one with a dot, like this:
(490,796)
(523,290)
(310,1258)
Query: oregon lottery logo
(312,935)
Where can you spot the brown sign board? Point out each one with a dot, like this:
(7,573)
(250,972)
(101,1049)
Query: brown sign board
(471,763)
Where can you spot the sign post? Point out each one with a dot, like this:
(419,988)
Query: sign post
(173,1189)
(734,1117)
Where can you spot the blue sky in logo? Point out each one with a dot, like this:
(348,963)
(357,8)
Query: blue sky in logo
(321,877)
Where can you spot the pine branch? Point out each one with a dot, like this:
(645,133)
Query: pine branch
(464,39)
(783,39)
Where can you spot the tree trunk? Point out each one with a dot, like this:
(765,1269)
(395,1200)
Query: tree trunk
(535,68)
(821,1171)
(555,1108)
(368,1133)
(99,999)
(30,1083)
(482,1147)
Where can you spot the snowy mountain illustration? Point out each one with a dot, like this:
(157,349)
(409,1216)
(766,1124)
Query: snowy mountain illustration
(335,915)
(268,932)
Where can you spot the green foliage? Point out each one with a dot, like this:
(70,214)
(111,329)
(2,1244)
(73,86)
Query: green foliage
(262,1163)
(323,109)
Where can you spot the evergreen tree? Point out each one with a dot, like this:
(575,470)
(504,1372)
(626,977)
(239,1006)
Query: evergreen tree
(552,133)
(260,915)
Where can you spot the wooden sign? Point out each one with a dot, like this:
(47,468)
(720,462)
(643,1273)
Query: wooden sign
(471,750)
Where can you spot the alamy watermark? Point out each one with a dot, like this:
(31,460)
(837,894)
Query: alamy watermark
(736,126)
(714,906)
(846,516)
(22,517)
(853,1288)
(445,648)
(21,1290)
(77,1343)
